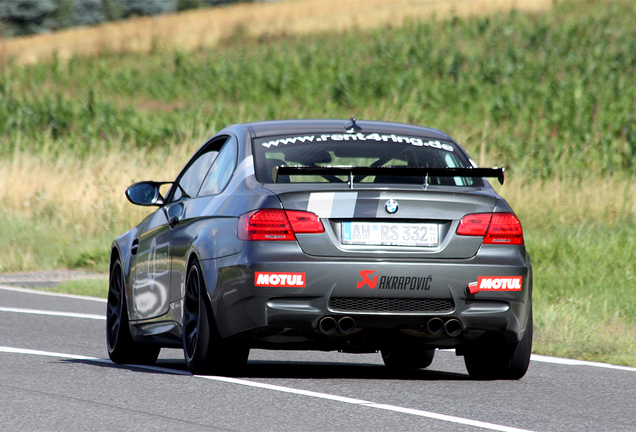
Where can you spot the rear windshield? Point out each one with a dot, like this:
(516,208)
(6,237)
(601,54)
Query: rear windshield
(360,150)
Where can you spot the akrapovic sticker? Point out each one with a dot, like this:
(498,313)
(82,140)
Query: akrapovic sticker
(511,283)
(418,142)
(413,283)
(289,280)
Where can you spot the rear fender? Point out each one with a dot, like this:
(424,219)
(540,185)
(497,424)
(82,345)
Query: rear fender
(215,238)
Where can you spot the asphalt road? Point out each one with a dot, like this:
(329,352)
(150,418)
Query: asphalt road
(55,376)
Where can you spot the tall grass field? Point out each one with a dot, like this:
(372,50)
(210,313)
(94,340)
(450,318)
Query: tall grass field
(550,95)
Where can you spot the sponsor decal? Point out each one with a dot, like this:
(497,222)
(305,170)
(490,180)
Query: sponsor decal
(290,280)
(364,274)
(418,142)
(498,283)
(153,264)
(413,283)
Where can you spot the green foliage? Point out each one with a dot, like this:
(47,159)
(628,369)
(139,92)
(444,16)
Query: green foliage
(555,90)
(85,287)
(22,17)
(45,242)
(96,259)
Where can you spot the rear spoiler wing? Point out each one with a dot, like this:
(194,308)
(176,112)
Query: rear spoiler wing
(351,171)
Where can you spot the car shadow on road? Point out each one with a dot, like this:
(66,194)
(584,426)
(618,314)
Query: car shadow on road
(296,369)
(332,370)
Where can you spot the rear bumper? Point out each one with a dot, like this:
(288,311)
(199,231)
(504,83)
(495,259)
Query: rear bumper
(386,299)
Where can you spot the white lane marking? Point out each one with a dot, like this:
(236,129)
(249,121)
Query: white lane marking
(421,413)
(54,294)
(85,358)
(49,354)
(360,402)
(52,313)
(572,362)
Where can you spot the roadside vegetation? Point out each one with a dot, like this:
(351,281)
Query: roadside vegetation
(551,96)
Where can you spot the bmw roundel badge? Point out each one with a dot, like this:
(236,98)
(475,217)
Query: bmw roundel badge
(391,206)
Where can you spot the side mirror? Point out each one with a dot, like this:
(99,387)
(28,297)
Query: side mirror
(145,193)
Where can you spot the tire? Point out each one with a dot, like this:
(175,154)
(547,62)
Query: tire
(205,351)
(122,348)
(508,361)
(400,358)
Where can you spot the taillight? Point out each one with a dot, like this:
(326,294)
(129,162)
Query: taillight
(497,228)
(504,228)
(304,222)
(277,224)
(474,224)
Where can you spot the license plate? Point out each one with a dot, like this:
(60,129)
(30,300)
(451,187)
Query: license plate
(390,234)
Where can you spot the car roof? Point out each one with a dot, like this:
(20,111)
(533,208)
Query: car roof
(287,127)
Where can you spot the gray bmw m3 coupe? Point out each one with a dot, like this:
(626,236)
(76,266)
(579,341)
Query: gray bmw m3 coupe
(352,236)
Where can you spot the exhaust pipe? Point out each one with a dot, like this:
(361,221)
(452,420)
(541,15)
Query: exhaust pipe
(346,325)
(327,325)
(453,327)
(435,326)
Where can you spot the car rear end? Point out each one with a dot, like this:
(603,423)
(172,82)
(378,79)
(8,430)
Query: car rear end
(359,262)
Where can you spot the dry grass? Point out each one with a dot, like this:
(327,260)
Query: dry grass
(191,30)
(87,191)
(607,200)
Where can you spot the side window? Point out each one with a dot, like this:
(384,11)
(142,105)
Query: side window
(221,171)
(191,180)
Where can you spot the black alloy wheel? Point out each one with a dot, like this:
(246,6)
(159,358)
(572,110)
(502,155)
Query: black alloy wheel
(501,361)
(192,314)
(122,348)
(205,351)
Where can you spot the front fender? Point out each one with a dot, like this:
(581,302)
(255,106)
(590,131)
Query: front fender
(122,247)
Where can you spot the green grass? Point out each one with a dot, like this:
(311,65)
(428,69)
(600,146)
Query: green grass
(41,242)
(85,287)
(555,90)
(584,292)
(550,96)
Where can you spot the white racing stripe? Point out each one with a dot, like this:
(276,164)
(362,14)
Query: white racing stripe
(53,294)
(332,204)
(308,393)
(52,313)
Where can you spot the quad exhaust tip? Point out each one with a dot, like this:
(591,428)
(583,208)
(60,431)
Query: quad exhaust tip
(453,327)
(346,325)
(329,325)
(435,326)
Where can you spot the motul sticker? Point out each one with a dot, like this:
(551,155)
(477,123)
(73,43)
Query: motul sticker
(489,283)
(291,280)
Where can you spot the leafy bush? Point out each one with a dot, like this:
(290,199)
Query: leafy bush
(22,17)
